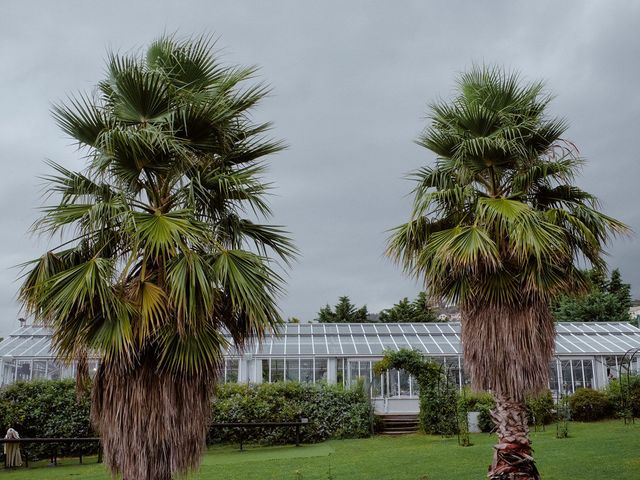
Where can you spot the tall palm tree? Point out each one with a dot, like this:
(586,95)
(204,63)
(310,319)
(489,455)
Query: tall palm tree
(499,228)
(161,260)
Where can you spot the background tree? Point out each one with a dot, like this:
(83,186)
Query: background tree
(162,257)
(622,292)
(401,312)
(406,312)
(608,300)
(344,312)
(498,228)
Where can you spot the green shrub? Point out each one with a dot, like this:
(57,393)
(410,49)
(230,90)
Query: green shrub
(333,412)
(438,413)
(588,405)
(482,402)
(615,393)
(485,422)
(541,409)
(46,408)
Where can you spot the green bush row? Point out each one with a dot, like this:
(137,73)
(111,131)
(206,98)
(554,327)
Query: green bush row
(49,408)
(622,397)
(46,408)
(331,410)
(588,405)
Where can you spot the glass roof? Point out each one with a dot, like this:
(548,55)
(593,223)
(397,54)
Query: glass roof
(371,339)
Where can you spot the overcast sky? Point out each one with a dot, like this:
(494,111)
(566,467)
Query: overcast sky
(351,84)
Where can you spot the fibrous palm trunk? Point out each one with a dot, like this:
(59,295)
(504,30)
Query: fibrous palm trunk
(512,459)
(507,350)
(152,424)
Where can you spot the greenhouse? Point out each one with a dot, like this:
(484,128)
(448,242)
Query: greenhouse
(587,355)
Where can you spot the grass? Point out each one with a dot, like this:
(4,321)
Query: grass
(593,451)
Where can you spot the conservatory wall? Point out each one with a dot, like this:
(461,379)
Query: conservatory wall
(587,355)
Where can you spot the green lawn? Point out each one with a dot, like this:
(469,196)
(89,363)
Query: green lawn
(595,451)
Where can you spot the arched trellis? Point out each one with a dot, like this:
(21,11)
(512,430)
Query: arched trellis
(626,366)
(438,394)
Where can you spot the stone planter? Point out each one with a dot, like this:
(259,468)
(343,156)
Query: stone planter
(473,420)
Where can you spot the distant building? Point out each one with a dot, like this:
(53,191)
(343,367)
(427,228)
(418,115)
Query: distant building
(587,355)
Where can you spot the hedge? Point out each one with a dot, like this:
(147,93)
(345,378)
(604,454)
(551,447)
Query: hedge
(588,405)
(46,408)
(332,412)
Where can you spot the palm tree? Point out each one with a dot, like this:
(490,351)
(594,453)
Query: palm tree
(498,228)
(162,261)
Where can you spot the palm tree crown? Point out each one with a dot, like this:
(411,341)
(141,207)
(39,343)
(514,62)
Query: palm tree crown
(162,256)
(497,219)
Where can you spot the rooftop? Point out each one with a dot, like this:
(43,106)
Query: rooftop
(371,339)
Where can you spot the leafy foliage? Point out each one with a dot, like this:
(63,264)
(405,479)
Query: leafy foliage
(333,412)
(166,246)
(608,300)
(438,409)
(49,408)
(541,408)
(45,408)
(588,405)
(406,312)
(161,246)
(563,415)
(344,312)
(624,395)
(482,402)
(438,395)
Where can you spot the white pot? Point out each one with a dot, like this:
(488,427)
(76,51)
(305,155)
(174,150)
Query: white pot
(473,418)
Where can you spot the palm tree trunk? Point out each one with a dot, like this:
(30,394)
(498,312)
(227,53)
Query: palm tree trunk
(512,458)
(153,425)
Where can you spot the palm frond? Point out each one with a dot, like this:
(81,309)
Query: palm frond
(81,119)
(250,285)
(192,289)
(162,235)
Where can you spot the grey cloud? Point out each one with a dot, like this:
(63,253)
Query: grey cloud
(351,85)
